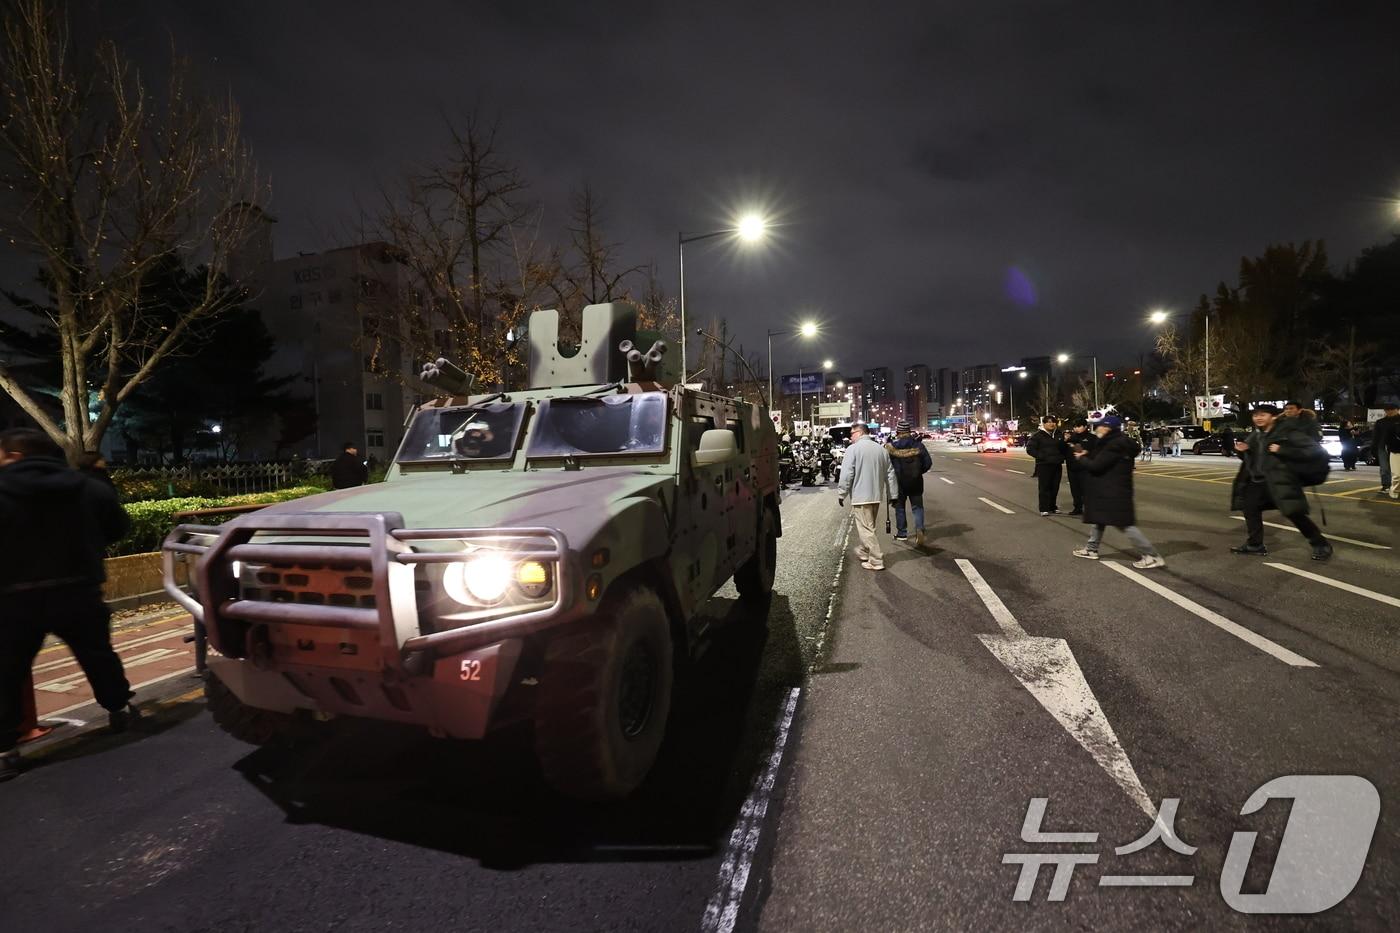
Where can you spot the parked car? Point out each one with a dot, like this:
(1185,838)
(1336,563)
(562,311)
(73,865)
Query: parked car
(1214,444)
(968,440)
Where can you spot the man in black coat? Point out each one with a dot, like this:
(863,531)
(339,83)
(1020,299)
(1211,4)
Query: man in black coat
(1108,492)
(1049,451)
(1079,438)
(55,526)
(348,469)
(1267,481)
(1385,431)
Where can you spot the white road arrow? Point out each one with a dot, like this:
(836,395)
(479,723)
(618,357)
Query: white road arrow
(1047,668)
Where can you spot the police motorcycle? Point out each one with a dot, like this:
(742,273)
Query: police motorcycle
(807,460)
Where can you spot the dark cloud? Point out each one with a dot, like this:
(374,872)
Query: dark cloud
(1120,156)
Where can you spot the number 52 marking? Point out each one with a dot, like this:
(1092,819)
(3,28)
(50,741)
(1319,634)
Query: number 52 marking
(471,670)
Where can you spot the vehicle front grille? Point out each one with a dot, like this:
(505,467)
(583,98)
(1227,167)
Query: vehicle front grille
(347,584)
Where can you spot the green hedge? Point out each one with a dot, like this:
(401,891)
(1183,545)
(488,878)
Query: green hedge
(152,520)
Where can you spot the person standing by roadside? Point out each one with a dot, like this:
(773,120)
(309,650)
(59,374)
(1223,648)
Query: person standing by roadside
(349,470)
(911,461)
(1227,442)
(868,480)
(1108,493)
(1049,451)
(1385,429)
(1079,438)
(1266,481)
(1347,435)
(1177,438)
(55,525)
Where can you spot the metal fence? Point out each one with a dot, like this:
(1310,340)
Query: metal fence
(226,480)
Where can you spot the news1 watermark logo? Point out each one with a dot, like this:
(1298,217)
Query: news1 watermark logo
(1319,861)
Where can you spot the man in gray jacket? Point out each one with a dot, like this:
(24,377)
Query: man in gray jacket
(867,479)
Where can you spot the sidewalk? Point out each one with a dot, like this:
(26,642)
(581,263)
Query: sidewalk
(150,643)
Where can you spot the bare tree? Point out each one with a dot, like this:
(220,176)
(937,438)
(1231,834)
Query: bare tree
(103,182)
(593,276)
(455,225)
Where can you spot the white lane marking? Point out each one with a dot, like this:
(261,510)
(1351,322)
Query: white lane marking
(70,681)
(999,508)
(1330,537)
(1009,626)
(975,463)
(118,647)
(144,683)
(722,912)
(1359,591)
(1009,470)
(1047,669)
(947,480)
(1214,618)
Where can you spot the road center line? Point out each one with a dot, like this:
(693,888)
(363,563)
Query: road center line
(991,600)
(1359,591)
(999,508)
(722,912)
(1377,547)
(1214,618)
(947,480)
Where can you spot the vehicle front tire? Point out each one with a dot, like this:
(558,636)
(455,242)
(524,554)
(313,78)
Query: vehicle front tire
(754,580)
(605,695)
(243,722)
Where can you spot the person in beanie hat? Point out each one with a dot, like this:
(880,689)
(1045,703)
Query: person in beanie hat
(911,461)
(1266,481)
(1108,492)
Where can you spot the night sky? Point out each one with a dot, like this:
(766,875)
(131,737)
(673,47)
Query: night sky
(957,183)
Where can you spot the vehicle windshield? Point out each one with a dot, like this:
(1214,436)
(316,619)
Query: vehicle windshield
(601,426)
(482,432)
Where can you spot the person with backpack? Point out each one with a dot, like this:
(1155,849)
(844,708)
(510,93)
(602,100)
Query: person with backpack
(1279,459)
(911,461)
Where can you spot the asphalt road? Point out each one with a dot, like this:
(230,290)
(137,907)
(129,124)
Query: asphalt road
(950,700)
(179,827)
(929,704)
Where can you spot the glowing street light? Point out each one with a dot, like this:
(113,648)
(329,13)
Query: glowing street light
(750,228)
(827,364)
(808,329)
(1158,317)
(1062,358)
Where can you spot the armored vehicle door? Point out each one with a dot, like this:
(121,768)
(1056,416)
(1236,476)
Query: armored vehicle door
(718,525)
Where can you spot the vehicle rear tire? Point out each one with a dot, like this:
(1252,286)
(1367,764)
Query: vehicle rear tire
(1196,449)
(605,695)
(243,722)
(754,580)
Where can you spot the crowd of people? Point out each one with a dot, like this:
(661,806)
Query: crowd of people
(1280,459)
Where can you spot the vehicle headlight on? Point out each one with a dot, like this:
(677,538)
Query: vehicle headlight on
(484,578)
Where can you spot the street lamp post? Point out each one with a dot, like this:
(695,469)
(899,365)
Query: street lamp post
(750,228)
(1066,357)
(807,329)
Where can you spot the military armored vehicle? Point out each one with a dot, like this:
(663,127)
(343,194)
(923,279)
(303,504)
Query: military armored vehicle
(532,555)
